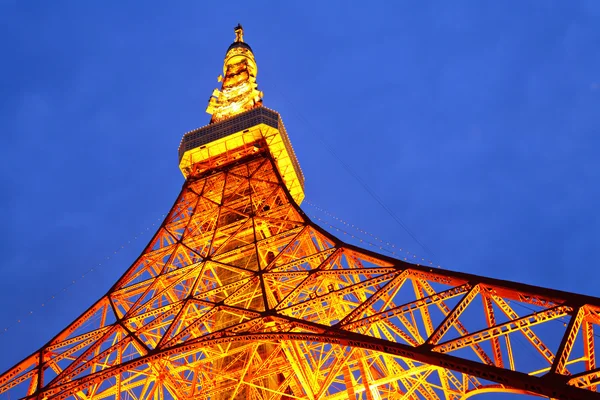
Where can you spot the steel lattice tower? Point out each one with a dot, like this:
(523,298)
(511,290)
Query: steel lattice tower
(240,295)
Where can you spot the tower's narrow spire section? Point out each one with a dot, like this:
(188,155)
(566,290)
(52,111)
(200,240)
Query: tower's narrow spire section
(240,125)
(239,91)
(239,33)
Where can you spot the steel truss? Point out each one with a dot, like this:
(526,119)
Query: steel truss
(239,295)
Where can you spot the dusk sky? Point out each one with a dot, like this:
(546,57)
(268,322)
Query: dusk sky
(477,123)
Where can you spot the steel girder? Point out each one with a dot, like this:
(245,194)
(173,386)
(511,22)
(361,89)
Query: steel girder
(240,295)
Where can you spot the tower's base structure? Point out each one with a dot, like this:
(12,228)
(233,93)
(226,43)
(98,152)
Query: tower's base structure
(240,296)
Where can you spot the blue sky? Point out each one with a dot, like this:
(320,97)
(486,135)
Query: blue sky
(475,122)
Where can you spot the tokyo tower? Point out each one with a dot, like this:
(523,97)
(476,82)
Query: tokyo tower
(239,295)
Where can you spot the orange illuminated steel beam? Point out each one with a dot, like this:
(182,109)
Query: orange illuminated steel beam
(239,295)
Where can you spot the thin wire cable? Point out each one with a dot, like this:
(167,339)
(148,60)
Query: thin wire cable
(327,223)
(350,225)
(348,169)
(74,281)
(561,320)
(369,243)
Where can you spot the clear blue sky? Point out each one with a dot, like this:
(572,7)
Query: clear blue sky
(477,123)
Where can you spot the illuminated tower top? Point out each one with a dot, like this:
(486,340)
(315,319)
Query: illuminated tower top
(239,89)
(240,124)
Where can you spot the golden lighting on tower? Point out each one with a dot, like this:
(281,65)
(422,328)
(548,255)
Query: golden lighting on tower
(240,125)
(239,88)
(240,295)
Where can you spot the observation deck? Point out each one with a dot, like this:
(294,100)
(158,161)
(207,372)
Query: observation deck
(222,142)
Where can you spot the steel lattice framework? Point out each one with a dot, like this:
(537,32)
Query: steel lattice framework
(239,295)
